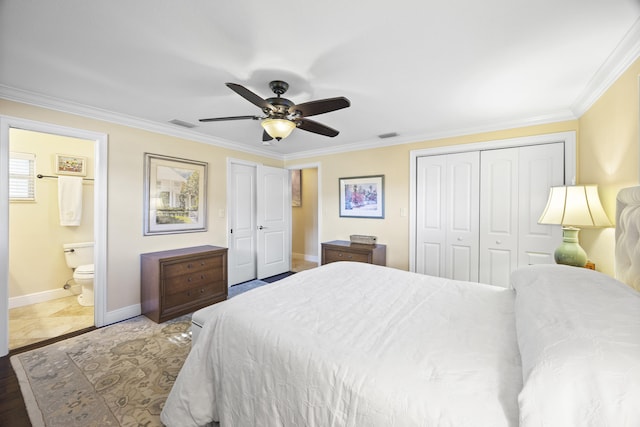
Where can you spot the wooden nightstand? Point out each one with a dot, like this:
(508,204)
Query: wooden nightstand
(342,250)
(180,281)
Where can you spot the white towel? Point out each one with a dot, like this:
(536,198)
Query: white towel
(70,200)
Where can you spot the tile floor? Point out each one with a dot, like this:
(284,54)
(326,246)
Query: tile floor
(38,322)
(300,264)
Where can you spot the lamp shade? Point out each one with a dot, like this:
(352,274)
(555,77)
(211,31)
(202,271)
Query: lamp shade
(278,128)
(576,205)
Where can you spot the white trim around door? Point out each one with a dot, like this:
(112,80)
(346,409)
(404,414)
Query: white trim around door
(100,218)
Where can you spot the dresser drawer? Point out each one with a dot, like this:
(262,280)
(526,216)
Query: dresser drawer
(174,285)
(190,297)
(170,269)
(331,255)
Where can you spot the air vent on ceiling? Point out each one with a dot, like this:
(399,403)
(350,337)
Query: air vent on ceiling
(387,135)
(182,123)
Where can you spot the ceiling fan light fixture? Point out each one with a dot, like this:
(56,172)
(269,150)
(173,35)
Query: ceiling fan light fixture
(278,128)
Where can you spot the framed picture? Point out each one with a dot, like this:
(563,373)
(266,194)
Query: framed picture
(362,196)
(296,188)
(175,195)
(67,164)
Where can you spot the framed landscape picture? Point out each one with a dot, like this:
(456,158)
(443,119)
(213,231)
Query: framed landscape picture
(175,195)
(362,196)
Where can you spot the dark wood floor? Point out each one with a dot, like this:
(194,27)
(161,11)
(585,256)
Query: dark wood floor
(13,412)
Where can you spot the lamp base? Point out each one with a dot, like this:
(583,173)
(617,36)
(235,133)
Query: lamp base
(570,252)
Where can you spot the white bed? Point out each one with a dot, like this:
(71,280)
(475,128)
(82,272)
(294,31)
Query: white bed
(352,344)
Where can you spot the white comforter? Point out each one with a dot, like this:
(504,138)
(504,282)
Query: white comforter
(351,344)
(358,345)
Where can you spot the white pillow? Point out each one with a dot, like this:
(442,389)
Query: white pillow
(579,339)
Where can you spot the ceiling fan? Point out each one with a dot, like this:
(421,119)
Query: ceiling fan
(282,115)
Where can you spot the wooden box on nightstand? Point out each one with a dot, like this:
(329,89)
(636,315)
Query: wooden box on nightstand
(180,281)
(342,250)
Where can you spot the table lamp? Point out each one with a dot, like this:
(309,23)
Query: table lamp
(573,207)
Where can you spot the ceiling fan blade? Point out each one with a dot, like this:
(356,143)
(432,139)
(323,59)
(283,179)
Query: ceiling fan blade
(221,119)
(266,136)
(320,106)
(250,96)
(315,127)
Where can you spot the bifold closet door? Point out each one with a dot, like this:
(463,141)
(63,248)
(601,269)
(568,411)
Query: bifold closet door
(447,216)
(498,215)
(514,185)
(541,167)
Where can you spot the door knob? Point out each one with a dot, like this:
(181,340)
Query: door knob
(261,227)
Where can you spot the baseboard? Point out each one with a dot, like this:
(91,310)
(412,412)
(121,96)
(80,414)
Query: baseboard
(44,296)
(121,314)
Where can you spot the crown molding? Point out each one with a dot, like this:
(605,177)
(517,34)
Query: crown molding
(625,53)
(558,116)
(64,106)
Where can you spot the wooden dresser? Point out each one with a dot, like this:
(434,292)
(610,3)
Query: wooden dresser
(180,281)
(341,250)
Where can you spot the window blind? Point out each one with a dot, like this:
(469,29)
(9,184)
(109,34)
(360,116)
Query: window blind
(22,176)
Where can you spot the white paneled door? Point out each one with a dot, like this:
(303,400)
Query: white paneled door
(541,167)
(477,212)
(447,216)
(514,186)
(259,222)
(273,221)
(242,223)
(498,215)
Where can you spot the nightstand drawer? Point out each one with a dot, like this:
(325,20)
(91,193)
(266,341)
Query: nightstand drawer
(340,250)
(334,255)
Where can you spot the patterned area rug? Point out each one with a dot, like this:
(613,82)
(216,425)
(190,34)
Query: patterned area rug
(119,375)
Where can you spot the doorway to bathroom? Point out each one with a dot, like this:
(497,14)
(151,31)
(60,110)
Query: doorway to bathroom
(38,291)
(51,205)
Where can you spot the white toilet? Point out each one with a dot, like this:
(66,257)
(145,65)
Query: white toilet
(79,257)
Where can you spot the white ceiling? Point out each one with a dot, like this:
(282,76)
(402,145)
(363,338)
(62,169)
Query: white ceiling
(421,68)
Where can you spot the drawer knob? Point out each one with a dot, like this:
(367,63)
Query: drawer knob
(188,279)
(189,265)
(202,291)
(202,276)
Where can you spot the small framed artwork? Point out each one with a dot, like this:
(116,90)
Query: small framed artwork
(296,188)
(67,164)
(175,195)
(362,196)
